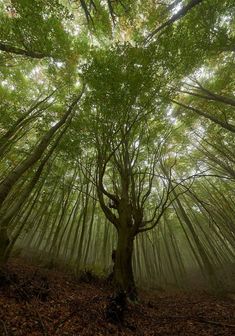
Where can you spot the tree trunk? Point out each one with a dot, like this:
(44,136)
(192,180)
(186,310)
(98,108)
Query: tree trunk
(123,272)
(4,242)
(10,180)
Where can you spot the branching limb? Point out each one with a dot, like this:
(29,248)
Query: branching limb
(206,115)
(181,13)
(22,52)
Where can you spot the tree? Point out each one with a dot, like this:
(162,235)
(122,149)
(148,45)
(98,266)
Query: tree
(130,151)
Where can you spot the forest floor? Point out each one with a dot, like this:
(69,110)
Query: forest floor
(35,301)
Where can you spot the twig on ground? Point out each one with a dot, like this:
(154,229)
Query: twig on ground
(4,327)
(200,320)
(215,322)
(59,324)
(39,318)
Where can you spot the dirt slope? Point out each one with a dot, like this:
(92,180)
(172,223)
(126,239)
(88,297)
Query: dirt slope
(37,302)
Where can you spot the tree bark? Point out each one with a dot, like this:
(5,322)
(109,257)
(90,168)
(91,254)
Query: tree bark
(123,271)
(4,242)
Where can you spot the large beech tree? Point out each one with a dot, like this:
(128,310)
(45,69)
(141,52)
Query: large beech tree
(134,167)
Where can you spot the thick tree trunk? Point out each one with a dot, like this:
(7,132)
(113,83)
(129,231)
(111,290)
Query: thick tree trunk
(123,272)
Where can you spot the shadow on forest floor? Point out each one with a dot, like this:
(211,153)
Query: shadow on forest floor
(37,302)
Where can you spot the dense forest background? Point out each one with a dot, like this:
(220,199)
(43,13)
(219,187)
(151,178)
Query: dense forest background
(117,133)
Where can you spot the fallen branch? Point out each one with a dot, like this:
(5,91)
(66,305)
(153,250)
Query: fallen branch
(200,319)
(215,323)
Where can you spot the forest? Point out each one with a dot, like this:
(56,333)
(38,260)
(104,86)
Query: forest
(117,167)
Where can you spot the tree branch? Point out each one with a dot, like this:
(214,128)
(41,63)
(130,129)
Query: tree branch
(181,13)
(23,52)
